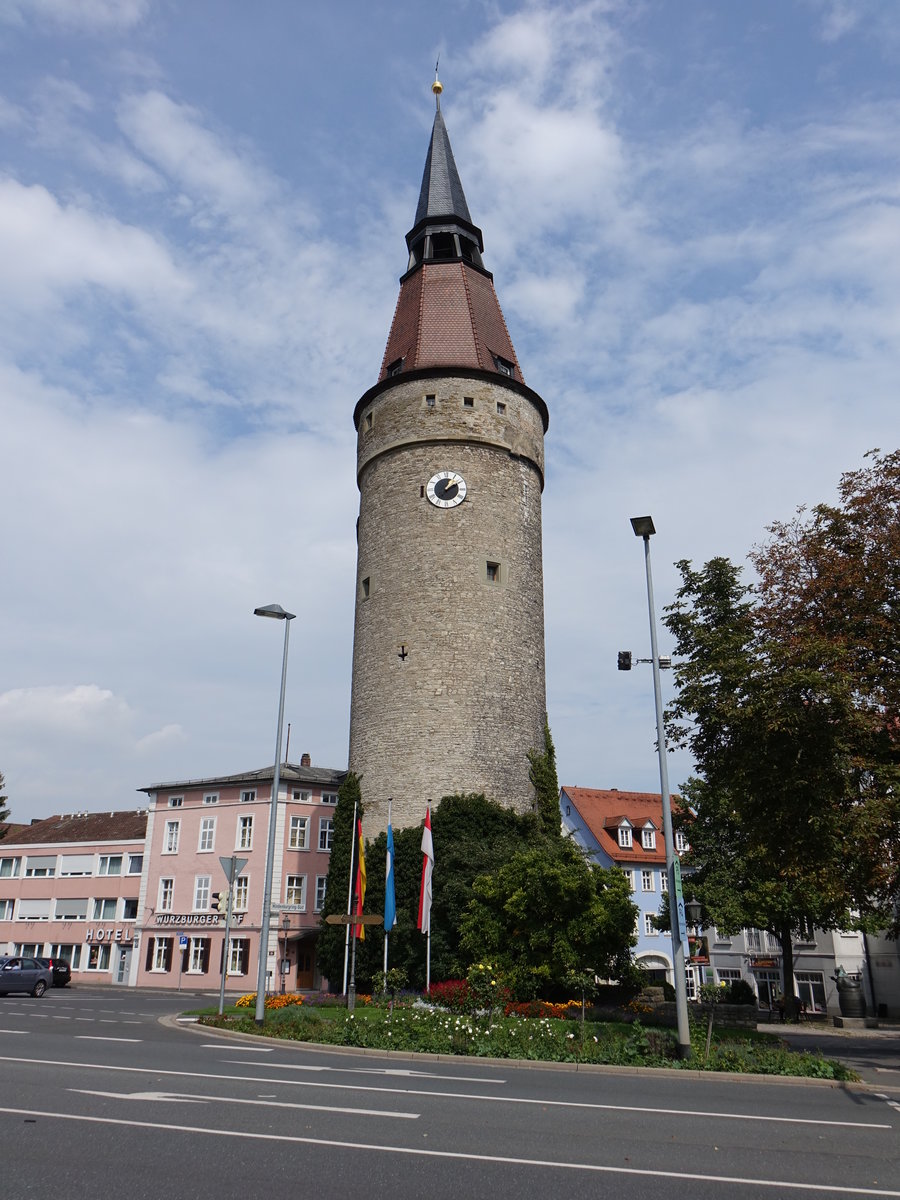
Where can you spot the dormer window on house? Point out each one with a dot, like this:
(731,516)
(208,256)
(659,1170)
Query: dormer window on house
(681,843)
(504,366)
(648,838)
(395,367)
(625,837)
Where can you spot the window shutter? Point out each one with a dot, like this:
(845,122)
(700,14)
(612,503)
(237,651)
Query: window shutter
(150,944)
(204,962)
(169,943)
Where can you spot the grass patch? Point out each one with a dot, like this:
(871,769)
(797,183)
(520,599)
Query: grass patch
(435,1031)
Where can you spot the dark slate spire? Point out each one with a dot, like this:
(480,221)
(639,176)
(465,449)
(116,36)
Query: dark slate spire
(442,192)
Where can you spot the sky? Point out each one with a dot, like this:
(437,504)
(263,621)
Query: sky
(692,215)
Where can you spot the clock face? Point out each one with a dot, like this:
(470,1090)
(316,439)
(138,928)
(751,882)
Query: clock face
(446,489)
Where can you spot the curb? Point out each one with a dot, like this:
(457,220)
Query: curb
(173,1022)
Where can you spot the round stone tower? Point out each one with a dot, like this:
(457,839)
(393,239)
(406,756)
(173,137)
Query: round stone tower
(448,691)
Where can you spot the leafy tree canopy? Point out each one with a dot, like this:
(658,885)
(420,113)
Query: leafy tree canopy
(332,938)
(547,913)
(792,825)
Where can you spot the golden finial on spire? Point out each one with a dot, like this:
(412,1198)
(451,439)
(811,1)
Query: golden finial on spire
(437,87)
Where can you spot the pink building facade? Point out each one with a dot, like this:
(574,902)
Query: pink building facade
(192,826)
(70,887)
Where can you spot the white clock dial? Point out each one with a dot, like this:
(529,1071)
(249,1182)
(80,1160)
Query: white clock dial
(446,489)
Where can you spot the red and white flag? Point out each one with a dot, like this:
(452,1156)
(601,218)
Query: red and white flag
(427,869)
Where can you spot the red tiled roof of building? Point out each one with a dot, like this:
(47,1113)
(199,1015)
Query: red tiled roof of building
(9,829)
(603,811)
(82,827)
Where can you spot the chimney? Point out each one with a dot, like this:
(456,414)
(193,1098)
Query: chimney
(305,760)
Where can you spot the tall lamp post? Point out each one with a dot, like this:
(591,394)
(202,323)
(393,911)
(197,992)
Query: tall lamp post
(277,612)
(643,528)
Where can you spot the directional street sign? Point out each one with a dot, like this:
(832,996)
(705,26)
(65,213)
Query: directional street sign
(288,908)
(344,919)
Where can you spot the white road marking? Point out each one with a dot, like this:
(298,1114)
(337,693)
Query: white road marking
(691,1114)
(13,1030)
(95,1037)
(249,1050)
(784,1185)
(388,1071)
(188,1098)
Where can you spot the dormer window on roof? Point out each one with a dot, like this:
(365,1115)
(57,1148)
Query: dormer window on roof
(625,835)
(648,837)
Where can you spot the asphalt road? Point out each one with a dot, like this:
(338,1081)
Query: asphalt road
(99,1094)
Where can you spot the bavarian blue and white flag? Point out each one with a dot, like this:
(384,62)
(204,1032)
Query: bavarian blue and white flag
(390,904)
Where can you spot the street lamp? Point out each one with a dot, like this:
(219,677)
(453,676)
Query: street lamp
(644,528)
(277,613)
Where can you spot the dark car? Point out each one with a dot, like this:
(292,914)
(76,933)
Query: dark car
(62,972)
(20,974)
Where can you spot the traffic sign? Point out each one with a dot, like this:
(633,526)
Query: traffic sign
(182,942)
(232,866)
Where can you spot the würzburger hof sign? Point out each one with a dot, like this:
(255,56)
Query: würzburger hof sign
(212,918)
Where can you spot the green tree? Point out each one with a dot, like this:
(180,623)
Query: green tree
(332,938)
(780,828)
(542,773)
(472,836)
(546,913)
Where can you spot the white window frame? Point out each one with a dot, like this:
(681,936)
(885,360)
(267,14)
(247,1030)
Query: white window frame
(329,797)
(14,868)
(196,955)
(80,905)
(166,894)
(211,798)
(202,889)
(244,836)
(682,845)
(625,837)
(107,861)
(171,835)
(6,909)
(206,842)
(45,870)
(237,949)
(100,903)
(98,957)
(321,884)
(299,796)
(648,839)
(126,902)
(248,795)
(160,949)
(648,880)
(298,825)
(176,802)
(135,864)
(295,890)
(326,833)
(650,929)
(241,894)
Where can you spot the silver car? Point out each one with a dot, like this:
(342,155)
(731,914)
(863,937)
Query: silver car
(20,974)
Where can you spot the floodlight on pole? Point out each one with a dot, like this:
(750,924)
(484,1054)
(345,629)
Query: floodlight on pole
(277,613)
(644,528)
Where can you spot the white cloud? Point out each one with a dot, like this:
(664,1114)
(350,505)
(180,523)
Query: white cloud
(84,711)
(91,16)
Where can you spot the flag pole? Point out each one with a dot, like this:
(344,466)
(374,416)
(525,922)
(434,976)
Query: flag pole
(425,892)
(349,902)
(386,930)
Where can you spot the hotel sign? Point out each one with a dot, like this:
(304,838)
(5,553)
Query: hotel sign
(125,936)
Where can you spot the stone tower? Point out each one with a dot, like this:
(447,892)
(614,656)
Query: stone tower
(448,691)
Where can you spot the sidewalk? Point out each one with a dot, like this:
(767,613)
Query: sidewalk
(873,1053)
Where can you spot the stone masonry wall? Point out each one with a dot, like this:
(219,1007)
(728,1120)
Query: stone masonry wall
(448,668)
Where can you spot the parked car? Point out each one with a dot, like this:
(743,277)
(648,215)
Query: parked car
(19,974)
(62,972)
